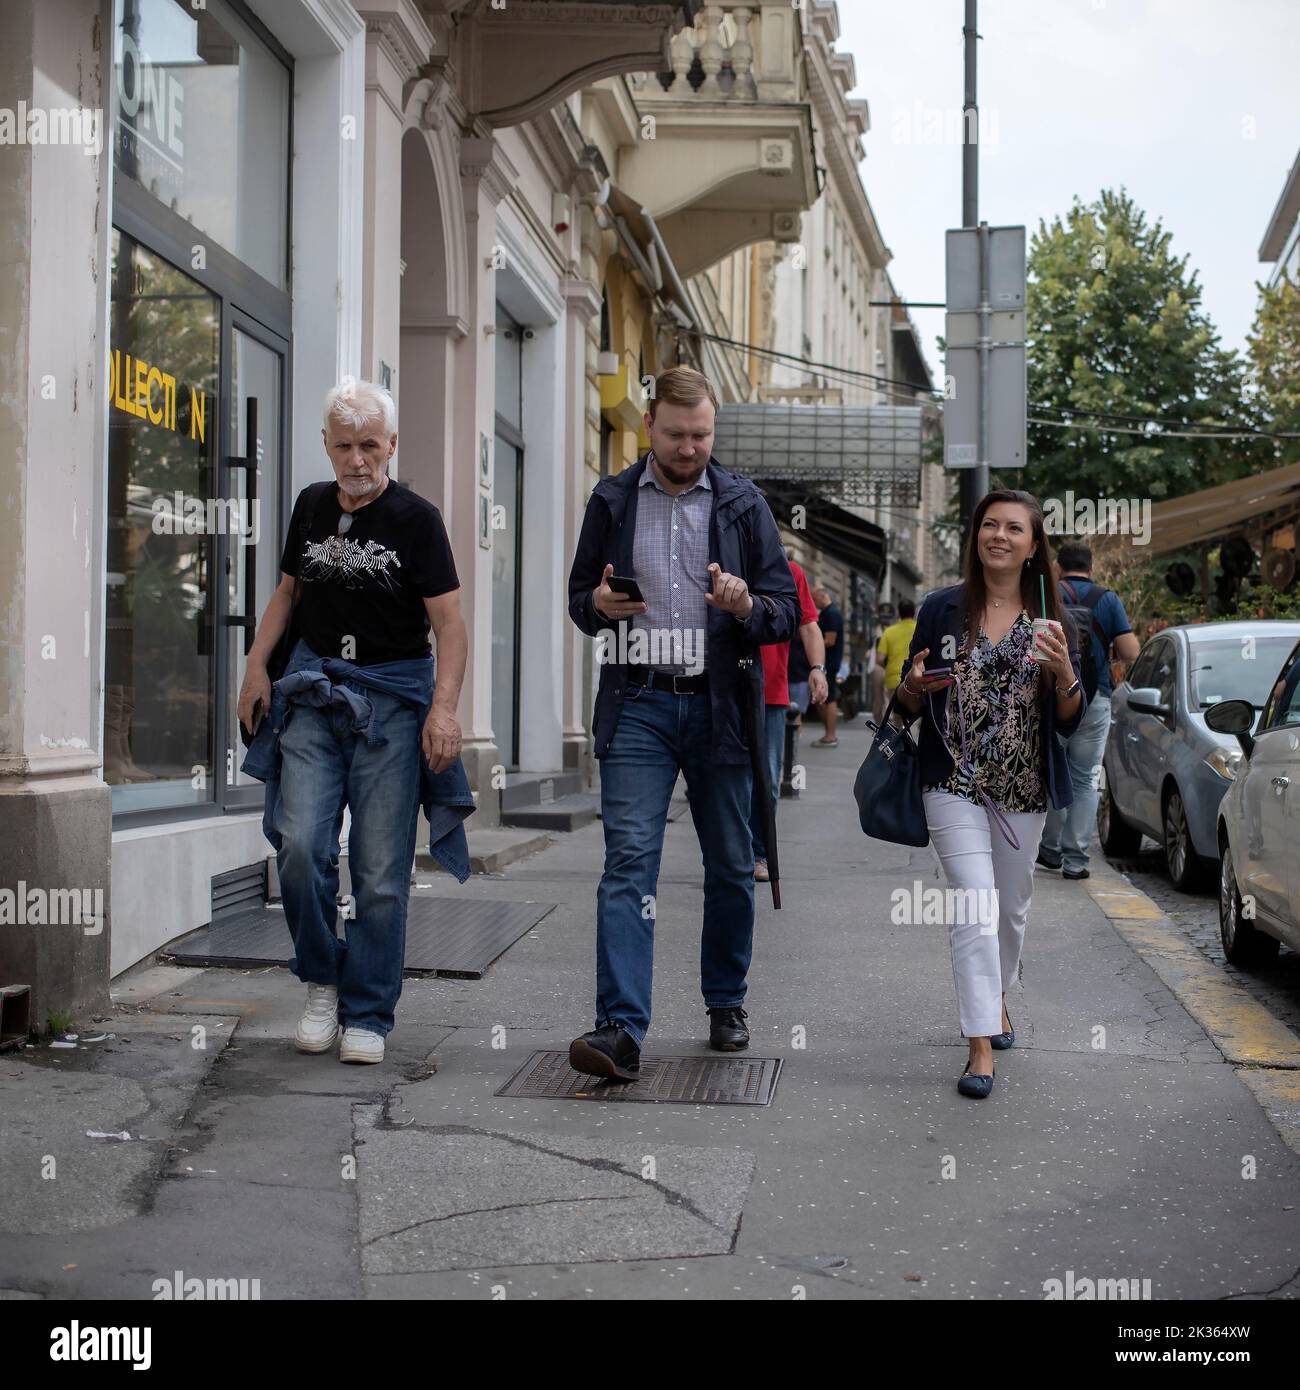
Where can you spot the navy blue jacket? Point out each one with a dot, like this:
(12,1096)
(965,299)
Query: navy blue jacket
(742,539)
(943,614)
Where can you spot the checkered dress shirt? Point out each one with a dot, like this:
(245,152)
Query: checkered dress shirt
(670,556)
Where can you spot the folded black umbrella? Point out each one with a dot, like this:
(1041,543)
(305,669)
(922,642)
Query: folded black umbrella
(755,717)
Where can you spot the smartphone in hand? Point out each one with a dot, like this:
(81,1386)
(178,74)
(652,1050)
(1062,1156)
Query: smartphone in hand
(628,587)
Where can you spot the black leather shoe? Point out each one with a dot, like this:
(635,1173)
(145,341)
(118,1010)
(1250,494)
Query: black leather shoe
(727,1031)
(608,1052)
(1074,873)
(1047,862)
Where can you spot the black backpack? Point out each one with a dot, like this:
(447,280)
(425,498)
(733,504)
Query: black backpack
(1082,614)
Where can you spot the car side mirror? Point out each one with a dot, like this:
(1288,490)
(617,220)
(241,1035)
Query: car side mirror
(1146,700)
(1233,717)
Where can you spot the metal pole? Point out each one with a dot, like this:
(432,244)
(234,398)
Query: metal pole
(970,125)
(971,491)
(985,348)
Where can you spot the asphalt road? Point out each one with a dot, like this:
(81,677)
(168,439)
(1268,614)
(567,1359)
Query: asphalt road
(1276,986)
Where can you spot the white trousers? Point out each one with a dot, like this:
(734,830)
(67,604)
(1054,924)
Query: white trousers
(987,932)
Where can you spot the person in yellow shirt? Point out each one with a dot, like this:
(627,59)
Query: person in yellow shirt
(895,641)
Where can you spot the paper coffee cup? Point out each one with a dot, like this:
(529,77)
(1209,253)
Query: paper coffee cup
(1043,625)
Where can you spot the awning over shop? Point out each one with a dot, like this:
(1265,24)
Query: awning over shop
(851,451)
(853,541)
(1215,512)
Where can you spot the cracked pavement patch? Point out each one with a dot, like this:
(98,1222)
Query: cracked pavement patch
(446,1197)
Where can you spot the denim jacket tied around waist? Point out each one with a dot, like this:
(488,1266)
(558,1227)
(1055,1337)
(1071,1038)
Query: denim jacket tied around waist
(309,679)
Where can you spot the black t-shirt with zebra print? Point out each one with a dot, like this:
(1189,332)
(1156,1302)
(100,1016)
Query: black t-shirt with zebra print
(363,591)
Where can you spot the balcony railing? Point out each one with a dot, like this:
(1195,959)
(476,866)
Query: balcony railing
(715,60)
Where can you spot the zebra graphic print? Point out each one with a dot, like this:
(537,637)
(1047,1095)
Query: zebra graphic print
(339,560)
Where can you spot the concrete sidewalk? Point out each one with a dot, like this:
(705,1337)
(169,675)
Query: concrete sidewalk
(1119,1143)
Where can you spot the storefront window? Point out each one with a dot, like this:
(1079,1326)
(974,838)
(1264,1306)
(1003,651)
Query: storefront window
(164,368)
(202,123)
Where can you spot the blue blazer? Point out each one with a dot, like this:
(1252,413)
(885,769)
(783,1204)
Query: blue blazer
(743,539)
(943,614)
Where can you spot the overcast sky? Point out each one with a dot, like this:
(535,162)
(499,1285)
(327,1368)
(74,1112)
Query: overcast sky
(1193,105)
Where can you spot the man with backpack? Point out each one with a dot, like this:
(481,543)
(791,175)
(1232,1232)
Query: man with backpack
(1099,613)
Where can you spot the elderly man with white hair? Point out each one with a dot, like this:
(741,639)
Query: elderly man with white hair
(357,721)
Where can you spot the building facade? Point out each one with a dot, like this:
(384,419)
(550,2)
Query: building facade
(513,217)
(1281,244)
(841,334)
(278,195)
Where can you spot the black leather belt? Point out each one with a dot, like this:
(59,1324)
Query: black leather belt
(663,680)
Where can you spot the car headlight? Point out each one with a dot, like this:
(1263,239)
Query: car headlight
(1225,762)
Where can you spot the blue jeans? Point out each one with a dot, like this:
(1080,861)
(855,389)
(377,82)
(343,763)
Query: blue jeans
(325,767)
(659,733)
(1067,834)
(775,747)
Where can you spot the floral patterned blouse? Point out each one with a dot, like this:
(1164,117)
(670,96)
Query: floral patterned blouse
(999,704)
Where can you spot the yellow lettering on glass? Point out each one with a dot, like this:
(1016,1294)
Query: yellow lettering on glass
(132,383)
(155,416)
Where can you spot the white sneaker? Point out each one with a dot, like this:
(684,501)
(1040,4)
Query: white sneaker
(361,1045)
(319,1025)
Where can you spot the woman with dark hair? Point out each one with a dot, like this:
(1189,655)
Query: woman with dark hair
(990,760)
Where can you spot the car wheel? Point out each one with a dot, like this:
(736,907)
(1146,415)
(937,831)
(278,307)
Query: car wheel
(1186,869)
(1118,838)
(1243,943)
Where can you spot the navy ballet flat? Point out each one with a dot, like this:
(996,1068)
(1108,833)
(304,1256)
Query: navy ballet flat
(1002,1041)
(976,1087)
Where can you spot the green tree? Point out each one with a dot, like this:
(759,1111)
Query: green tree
(1115,325)
(1273,345)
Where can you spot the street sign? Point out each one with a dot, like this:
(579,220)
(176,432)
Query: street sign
(984,415)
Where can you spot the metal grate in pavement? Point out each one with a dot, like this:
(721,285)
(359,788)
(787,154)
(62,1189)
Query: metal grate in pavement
(685,1080)
(444,936)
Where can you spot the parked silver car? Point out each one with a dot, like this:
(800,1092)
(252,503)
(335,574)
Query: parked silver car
(1166,769)
(1258,824)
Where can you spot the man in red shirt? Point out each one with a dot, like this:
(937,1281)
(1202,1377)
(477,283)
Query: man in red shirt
(776,697)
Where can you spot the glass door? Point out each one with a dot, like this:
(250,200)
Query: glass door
(159,678)
(506,534)
(249,554)
(507,508)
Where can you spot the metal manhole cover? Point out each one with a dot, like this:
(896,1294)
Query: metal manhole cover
(688,1080)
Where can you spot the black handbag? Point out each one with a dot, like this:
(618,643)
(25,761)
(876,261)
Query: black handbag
(888,786)
(279,658)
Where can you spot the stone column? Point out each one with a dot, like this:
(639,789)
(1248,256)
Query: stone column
(54,273)
(487,176)
(582,304)
(398,44)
